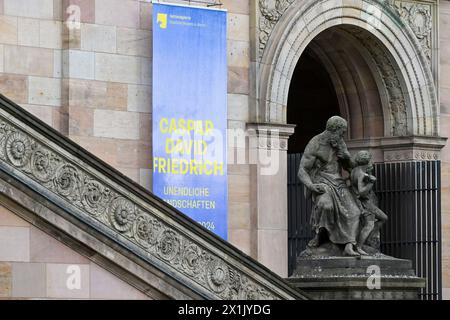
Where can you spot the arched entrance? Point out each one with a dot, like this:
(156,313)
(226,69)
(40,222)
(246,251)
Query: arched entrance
(339,79)
(389,48)
(344,79)
(382,85)
(337,75)
(312,100)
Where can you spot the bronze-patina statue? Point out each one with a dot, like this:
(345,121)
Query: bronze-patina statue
(344,215)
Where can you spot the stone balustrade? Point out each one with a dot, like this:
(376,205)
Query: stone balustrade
(36,156)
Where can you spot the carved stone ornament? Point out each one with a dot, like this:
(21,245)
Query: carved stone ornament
(18,149)
(192,260)
(218,275)
(94,197)
(419,155)
(394,90)
(146,230)
(419,17)
(271,11)
(66,181)
(101,202)
(43,164)
(122,214)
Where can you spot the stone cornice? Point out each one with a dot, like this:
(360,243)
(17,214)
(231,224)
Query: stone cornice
(284,130)
(270,136)
(435,143)
(95,193)
(407,148)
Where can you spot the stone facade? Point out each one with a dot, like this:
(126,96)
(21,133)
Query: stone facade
(286,27)
(30,256)
(444,18)
(92,82)
(87,204)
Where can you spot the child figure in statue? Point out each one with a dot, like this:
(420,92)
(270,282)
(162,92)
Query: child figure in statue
(362,182)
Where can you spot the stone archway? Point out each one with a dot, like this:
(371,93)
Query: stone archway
(365,94)
(387,39)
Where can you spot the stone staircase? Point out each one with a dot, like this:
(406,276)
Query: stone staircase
(59,187)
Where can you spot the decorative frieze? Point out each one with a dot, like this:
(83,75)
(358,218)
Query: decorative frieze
(270,12)
(419,16)
(410,155)
(396,97)
(269,136)
(103,202)
(398,149)
(412,148)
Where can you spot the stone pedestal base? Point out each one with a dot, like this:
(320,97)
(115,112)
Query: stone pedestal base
(349,278)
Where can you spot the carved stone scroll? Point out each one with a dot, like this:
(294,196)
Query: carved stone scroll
(271,11)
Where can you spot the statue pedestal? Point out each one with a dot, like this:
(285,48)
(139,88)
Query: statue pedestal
(350,278)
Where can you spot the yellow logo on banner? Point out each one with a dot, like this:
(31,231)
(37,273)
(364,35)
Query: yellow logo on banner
(162,20)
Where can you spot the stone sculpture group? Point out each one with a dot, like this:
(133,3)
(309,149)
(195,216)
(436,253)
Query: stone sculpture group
(345,217)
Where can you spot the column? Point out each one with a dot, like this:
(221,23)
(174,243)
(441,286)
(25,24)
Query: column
(268,156)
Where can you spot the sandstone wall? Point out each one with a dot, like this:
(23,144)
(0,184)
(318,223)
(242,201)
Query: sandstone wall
(93,83)
(444,19)
(34,265)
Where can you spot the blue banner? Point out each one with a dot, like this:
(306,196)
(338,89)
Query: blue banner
(190,112)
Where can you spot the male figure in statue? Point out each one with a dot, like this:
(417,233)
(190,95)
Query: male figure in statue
(336,213)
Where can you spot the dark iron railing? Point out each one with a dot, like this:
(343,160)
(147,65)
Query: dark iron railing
(299,213)
(409,193)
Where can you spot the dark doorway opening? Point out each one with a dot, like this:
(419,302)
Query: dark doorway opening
(312,101)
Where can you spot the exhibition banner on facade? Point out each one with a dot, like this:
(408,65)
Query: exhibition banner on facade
(190,112)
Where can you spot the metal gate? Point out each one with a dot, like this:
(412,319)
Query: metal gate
(299,213)
(409,193)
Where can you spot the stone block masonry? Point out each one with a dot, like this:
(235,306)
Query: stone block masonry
(94,83)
